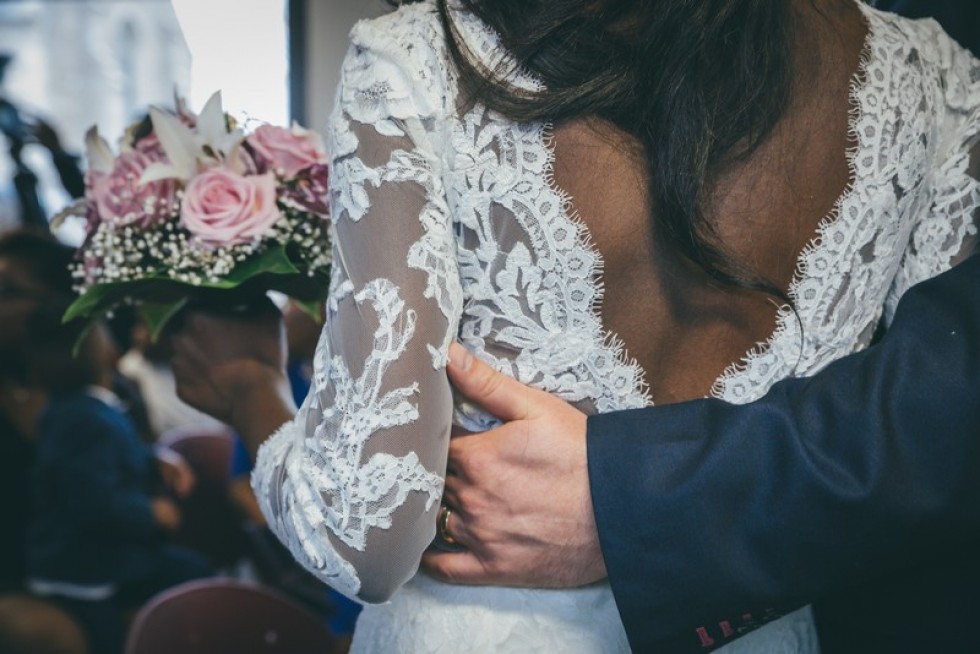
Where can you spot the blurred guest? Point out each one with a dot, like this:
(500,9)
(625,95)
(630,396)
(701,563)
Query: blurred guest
(97,541)
(147,364)
(33,269)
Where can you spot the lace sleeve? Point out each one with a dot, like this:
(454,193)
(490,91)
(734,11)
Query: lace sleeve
(947,230)
(352,485)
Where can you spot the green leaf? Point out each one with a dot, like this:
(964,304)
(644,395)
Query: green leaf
(159,298)
(76,349)
(273,261)
(98,298)
(158,314)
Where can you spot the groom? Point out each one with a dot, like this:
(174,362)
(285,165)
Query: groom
(859,487)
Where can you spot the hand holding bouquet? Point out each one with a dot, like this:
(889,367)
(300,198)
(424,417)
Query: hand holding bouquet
(194,209)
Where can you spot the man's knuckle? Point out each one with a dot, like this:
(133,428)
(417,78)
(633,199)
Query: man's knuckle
(465,499)
(471,463)
(489,381)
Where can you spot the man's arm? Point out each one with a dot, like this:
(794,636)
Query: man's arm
(706,510)
(709,511)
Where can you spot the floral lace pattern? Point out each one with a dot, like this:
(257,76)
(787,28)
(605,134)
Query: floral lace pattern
(449,225)
(842,287)
(530,274)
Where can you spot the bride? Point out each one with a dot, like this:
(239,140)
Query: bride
(619,201)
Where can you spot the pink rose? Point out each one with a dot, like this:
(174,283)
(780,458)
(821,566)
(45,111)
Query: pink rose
(222,208)
(119,197)
(286,151)
(310,190)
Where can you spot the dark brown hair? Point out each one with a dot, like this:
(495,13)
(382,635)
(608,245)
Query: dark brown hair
(699,83)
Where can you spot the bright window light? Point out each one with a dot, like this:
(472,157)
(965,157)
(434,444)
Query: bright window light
(238,47)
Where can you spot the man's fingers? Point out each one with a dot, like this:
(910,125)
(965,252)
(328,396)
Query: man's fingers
(502,396)
(463,450)
(450,492)
(456,524)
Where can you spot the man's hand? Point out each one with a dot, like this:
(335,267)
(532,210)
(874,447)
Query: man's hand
(232,366)
(222,358)
(519,494)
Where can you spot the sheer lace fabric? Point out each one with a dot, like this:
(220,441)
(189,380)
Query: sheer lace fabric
(448,224)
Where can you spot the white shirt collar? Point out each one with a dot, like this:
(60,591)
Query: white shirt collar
(105,396)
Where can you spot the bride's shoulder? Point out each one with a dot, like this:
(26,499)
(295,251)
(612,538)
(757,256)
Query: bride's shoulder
(400,57)
(922,41)
(411,28)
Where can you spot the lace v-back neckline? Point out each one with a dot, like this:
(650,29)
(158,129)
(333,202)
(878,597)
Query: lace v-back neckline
(733,382)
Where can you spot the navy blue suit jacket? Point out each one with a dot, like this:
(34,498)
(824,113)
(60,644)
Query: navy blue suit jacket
(860,485)
(960,18)
(94,477)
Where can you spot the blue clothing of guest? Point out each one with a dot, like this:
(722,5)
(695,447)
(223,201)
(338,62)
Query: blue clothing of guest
(95,546)
(93,482)
(16,461)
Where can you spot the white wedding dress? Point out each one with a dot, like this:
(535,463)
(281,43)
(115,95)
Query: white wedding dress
(448,224)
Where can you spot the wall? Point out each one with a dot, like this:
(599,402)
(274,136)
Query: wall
(329,23)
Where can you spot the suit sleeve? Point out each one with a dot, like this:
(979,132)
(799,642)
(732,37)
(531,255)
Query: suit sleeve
(714,517)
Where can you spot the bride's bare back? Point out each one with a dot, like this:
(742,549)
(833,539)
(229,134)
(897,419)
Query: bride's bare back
(681,327)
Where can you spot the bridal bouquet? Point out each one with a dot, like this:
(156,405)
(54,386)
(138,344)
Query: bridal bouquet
(194,209)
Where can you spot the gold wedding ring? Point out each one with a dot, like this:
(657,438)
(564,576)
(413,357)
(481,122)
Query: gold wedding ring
(442,524)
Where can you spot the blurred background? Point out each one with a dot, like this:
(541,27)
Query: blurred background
(70,64)
(66,65)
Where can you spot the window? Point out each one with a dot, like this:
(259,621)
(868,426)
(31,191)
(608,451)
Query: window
(78,63)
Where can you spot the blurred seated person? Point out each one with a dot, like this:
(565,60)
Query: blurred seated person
(33,269)
(147,365)
(97,544)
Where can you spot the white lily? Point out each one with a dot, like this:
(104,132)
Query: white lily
(213,128)
(97,152)
(187,148)
(179,142)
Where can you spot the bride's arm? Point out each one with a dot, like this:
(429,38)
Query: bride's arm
(352,484)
